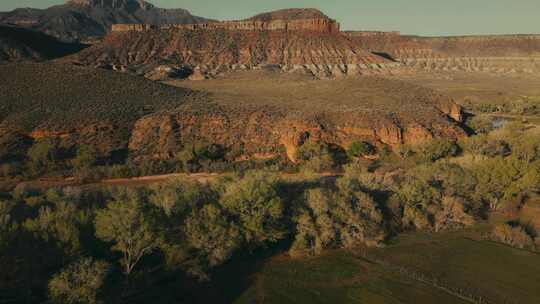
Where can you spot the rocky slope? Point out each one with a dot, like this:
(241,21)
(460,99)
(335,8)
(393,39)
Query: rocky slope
(150,120)
(20,44)
(87,20)
(492,53)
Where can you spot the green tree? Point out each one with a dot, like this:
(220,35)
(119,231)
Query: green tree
(127,224)
(210,232)
(86,157)
(43,156)
(344,218)
(437,149)
(451,214)
(254,202)
(60,221)
(79,283)
(177,197)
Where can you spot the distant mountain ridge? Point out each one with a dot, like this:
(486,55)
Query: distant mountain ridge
(20,44)
(84,20)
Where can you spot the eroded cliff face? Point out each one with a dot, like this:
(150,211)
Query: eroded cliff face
(216,51)
(491,53)
(268,132)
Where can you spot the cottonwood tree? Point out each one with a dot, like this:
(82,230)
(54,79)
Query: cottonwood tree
(210,232)
(344,218)
(127,224)
(58,222)
(86,157)
(177,197)
(43,156)
(80,282)
(254,202)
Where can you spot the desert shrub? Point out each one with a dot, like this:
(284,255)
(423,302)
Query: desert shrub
(405,151)
(481,124)
(513,236)
(525,147)
(80,282)
(485,145)
(254,203)
(437,149)
(117,171)
(127,223)
(360,149)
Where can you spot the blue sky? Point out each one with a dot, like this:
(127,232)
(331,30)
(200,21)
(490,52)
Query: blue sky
(423,17)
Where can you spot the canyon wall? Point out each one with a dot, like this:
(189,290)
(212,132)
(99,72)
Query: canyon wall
(323,25)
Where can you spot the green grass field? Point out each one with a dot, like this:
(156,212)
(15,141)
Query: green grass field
(495,272)
(336,277)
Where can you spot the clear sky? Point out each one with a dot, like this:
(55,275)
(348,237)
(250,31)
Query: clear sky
(423,17)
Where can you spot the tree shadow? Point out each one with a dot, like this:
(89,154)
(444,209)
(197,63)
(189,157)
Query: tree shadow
(49,46)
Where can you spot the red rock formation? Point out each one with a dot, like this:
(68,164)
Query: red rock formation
(161,136)
(322,54)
